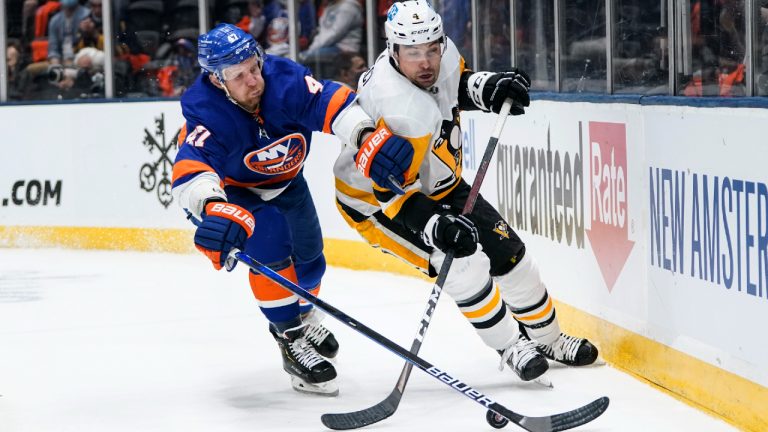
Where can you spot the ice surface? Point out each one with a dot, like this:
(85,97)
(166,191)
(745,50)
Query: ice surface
(116,341)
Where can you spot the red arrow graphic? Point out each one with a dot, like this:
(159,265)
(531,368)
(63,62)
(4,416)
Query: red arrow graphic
(608,192)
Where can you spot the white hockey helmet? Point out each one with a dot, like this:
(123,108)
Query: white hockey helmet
(412,22)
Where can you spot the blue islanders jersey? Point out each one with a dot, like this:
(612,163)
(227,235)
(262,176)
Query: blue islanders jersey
(263,151)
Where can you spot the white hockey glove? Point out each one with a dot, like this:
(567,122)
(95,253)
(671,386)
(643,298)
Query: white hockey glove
(488,90)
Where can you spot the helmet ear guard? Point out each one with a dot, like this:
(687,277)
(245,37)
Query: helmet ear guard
(412,22)
(224,46)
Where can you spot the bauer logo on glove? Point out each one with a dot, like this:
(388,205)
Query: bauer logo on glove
(225,226)
(385,158)
(233,212)
(370,148)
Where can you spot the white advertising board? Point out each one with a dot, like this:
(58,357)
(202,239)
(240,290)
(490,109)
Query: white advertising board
(106,165)
(596,191)
(707,234)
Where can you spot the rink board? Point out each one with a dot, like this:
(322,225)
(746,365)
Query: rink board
(649,222)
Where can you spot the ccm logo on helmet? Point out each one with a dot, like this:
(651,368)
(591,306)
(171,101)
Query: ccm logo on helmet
(370,147)
(282,156)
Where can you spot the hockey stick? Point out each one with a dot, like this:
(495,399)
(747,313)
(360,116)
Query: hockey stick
(552,423)
(387,407)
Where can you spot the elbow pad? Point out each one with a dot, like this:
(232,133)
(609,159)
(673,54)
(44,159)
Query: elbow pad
(350,125)
(196,193)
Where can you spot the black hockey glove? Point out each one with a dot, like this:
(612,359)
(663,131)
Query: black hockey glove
(488,90)
(448,232)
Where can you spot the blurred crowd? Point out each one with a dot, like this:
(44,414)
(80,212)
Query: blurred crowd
(55,49)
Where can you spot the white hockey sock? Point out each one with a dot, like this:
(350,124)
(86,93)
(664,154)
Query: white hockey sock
(527,297)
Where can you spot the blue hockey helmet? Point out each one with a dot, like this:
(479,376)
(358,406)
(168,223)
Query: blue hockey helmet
(226,45)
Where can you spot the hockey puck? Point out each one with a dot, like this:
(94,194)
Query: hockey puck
(496,420)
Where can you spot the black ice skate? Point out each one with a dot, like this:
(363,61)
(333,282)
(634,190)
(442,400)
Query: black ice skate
(524,359)
(570,350)
(320,337)
(310,373)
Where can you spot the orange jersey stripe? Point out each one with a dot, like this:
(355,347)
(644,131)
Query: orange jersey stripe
(186,167)
(265,290)
(182,136)
(334,106)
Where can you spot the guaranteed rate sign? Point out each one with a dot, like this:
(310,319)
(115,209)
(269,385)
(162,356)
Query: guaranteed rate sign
(608,196)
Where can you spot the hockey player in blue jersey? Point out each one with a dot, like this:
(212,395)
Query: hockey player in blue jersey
(249,122)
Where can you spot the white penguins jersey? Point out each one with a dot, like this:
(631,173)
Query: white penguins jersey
(429,119)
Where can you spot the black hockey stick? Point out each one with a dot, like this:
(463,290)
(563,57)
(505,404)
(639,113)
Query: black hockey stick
(553,423)
(387,407)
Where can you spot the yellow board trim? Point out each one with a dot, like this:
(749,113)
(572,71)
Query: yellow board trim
(134,239)
(720,393)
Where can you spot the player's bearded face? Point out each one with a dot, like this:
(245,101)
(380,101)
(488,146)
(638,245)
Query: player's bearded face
(245,83)
(420,63)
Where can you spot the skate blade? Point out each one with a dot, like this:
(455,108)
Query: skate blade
(597,363)
(543,381)
(327,389)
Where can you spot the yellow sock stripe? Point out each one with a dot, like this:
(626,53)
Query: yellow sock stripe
(543,314)
(485,309)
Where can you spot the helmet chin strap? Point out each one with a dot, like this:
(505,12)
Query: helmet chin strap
(231,99)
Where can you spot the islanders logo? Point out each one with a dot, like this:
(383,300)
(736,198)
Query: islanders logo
(282,156)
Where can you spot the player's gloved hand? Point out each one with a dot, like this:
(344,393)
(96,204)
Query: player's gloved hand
(385,158)
(449,232)
(224,226)
(488,90)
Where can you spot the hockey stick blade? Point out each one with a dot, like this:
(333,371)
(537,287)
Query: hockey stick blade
(387,407)
(557,422)
(537,424)
(365,417)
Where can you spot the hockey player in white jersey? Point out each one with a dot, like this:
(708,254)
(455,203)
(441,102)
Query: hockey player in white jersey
(416,90)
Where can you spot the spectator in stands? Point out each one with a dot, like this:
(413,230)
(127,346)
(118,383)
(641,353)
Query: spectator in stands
(457,23)
(28,10)
(340,30)
(307,18)
(90,71)
(180,69)
(257,22)
(277,37)
(89,35)
(62,32)
(718,41)
(95,6)
(277,10)
(13,58)
(350,67)
(83,79)
(274,9)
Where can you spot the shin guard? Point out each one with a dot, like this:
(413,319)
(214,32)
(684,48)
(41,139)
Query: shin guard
(527,297)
